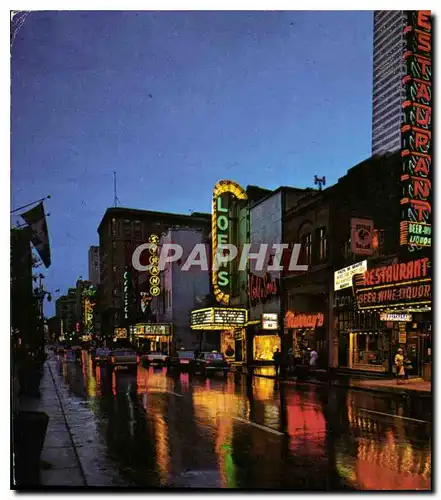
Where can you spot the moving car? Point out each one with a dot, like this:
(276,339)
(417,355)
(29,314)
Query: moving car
(124,359)
(183,361)
(155,358)
(211,362)
(101,355)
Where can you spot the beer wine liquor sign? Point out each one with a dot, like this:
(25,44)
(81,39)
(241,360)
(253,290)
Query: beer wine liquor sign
(416,133)
(220,234)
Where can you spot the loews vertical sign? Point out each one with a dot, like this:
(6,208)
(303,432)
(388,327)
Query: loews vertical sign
(416,133)
(220,234)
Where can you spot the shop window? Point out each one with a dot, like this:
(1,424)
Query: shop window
(264,347)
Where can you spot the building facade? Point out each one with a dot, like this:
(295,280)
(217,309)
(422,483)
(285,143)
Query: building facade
(123,290)
(66,312)
(182,290)
(388,71)
(94,265)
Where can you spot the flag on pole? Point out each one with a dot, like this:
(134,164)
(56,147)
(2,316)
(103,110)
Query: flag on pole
(40,236)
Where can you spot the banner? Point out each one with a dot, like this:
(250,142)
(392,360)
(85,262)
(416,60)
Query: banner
(40,236)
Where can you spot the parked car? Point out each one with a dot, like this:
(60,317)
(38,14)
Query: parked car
(155,358)
(124,359)
(183,361)
(73,354)
(211,362)
(101,356)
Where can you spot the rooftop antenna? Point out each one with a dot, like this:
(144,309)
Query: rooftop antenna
(115,197)
(321,181)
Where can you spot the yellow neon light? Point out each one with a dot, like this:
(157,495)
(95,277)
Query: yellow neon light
(383,306)
(223,186)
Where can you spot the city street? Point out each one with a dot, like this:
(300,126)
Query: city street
(246,432)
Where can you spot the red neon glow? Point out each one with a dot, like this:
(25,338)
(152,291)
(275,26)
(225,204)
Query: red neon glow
(417,133)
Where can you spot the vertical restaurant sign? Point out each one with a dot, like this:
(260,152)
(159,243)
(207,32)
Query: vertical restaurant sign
(416,133)
(361,236)
(126,293)
(154,280)
(220,223)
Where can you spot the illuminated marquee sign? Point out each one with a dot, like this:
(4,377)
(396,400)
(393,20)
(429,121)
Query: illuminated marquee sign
(416,133)
(154,280)
(270,321)
(403,284)
(395,317)
(220,223)
(293,320)
(218,318)
(343,277)
(145,329)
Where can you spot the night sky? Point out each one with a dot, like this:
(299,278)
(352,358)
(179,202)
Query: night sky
(173,102)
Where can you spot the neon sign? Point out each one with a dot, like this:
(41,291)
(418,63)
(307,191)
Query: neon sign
(416,133)
(220,223)
(293,320)
(261,288)
(403,284)
(154,280)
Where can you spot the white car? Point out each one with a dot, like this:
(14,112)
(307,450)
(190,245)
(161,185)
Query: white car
(155,358)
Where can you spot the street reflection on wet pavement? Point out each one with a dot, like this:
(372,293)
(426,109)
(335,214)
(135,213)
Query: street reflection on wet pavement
(249,432)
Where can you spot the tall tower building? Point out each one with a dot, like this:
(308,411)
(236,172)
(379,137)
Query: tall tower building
(388,91)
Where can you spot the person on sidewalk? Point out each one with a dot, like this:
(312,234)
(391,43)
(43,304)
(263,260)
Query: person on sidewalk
(399,366)
(313,358)
(276,358)
(290,362)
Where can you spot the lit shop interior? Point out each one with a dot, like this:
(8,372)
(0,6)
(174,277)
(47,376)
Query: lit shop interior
(230,324)
(265,337)
(152,337)
(308,332)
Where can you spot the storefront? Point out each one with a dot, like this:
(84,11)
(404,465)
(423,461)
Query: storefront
(393,305)
(229,324)
(152,337)
(308,332)
(263,338)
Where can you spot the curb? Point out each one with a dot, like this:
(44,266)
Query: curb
(407,392)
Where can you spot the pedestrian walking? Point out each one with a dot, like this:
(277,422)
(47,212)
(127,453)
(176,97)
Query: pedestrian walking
(313,358)
(276,358)
(399,366)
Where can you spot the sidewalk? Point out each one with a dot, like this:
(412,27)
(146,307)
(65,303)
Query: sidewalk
(415,386)
(73,453)
(64,467)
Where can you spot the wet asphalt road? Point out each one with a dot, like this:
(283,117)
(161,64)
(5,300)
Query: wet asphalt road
(249,432)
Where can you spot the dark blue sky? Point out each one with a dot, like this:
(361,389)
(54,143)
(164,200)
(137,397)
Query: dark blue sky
(174,102)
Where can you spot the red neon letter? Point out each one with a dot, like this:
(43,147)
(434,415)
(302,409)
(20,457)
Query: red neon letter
(421,207)
(423,19)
